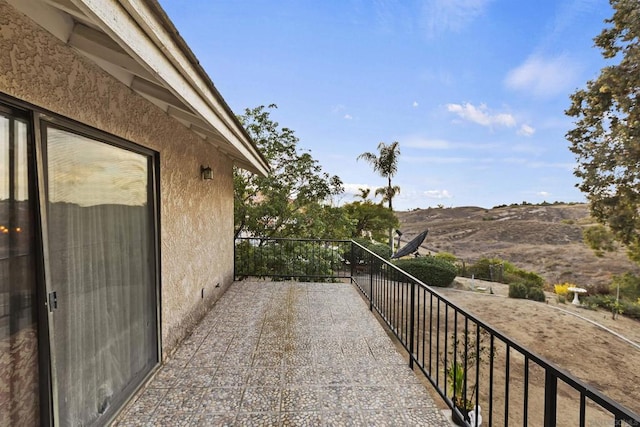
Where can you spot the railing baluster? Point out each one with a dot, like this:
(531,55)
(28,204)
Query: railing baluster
(430,333)
(438,348)
(491,357)
(526,389)
(412,310)
(424,320)
(583,404)
(506,385)
(466,358)
(550,398)
(477,391)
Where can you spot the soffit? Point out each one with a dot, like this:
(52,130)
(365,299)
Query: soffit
(135,42)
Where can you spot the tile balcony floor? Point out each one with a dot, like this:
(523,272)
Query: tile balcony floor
(285,354)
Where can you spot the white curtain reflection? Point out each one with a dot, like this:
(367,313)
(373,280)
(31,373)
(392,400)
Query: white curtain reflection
(102,270)
(18,328)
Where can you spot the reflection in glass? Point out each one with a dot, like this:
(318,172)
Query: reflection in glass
(102,269)
(18,329)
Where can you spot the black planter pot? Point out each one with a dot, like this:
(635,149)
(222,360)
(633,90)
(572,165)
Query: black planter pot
(456,418)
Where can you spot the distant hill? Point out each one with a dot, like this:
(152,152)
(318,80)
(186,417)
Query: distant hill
(546,239)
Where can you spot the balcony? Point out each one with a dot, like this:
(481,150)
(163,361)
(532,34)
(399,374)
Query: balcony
(314,352)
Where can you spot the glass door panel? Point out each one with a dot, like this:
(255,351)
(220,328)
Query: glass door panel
(19,399)
(102,270)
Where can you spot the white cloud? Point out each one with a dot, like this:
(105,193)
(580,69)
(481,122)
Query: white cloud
(354,189)
(338,108)
(543,76)
(543,194)
(415,104)
(438,194)
(526,130)
(347,117)
(481,115)
(450,15)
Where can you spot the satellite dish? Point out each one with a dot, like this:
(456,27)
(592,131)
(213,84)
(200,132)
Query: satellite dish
(412,246)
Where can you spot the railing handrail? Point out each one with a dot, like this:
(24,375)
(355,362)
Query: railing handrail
(605,402)
(295,239)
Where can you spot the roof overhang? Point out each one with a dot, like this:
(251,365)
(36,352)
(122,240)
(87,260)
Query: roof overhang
(135,42)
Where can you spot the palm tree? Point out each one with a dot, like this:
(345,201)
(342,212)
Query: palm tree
(364,193)
(385,164)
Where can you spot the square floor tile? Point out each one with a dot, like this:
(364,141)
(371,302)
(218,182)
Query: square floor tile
(260,399)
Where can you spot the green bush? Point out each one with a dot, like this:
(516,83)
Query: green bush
(447,257)
(631,309)
(380,249)
(430,270)
(629,286)
(536,294)
(517,290)
(530,278)
(482,269)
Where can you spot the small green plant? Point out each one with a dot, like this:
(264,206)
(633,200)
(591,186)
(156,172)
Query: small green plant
(465,345)
(536,294)
(517,290)
(562,299)
(456,376)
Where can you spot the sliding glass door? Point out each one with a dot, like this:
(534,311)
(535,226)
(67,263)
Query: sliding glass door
(102,282)
(19,373)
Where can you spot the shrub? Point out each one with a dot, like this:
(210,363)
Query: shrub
(562,288)
(562,299)
(629,285)
(430,270)
(599,289)
(380,249)
(631,309)
(536,294)
(487,269)
(358,255)
(517,290)
(529,278)
(447,257)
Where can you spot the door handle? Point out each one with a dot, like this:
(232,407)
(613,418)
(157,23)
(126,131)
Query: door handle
(53,301)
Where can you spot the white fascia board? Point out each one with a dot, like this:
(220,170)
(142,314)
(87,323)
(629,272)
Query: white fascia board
(134,26)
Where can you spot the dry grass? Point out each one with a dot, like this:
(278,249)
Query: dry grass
(557,333)
(544,239)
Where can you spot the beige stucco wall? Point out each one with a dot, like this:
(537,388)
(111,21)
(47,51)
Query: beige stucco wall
(196,216)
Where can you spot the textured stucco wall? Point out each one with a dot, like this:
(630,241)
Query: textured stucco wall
(196,216)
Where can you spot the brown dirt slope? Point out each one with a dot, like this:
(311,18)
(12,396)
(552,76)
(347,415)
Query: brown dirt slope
(544,239)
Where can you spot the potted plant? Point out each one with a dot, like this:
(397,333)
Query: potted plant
(456,375)
(456,372)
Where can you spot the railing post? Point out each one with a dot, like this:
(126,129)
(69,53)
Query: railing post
(550,398)
(371,260)
(412,319)
(353,260)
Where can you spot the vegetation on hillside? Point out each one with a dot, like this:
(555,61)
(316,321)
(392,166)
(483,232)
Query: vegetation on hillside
(605,138)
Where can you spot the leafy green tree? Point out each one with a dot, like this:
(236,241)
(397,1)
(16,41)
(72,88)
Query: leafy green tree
(291,200)
(370,218)
(386,165)
(606,136)
(600,239)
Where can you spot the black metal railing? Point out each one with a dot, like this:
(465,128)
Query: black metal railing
(471,364)
(300,259)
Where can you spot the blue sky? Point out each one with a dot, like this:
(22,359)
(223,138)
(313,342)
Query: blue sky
(474,90)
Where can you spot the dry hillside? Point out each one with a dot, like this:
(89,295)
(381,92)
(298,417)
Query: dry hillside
(544,239)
